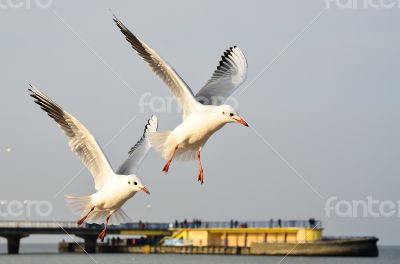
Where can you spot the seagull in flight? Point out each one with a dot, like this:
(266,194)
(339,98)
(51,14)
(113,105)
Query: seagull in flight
(203,113)
(113,188)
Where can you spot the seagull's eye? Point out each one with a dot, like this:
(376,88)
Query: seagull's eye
(223,113)
(231,114)
(129,182)
(135,183)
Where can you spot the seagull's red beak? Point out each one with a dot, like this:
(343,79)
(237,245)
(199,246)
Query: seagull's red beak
(144,189)
(240,121)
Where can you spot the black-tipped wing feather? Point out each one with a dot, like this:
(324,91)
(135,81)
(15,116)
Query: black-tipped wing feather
(229,75)
(175,83)
(140,150)
(81,141)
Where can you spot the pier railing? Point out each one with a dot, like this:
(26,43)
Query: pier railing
(250,224)
(164,226)
(38,224)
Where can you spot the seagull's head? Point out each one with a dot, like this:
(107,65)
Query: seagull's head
(135,184)
(229,115)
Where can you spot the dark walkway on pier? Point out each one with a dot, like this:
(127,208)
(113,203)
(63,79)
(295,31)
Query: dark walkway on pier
(15,231)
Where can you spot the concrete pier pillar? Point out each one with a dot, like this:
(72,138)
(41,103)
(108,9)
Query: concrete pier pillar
(13,243)
(90,243)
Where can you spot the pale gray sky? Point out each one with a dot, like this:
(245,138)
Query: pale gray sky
(329,105)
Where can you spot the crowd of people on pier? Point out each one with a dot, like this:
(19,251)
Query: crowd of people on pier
(198,223)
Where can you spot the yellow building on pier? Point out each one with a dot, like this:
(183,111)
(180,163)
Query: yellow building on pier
(244,237)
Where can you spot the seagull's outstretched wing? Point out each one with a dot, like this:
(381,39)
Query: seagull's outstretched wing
(175,83)
(140,150)
(229,75)
(81,142)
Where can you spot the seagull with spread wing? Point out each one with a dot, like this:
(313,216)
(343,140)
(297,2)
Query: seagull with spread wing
(113,188)
(203,113)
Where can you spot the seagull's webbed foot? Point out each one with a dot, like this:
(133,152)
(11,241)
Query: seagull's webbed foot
(102,235)
(200,178)
(166,166)
(104,231)
(85,216)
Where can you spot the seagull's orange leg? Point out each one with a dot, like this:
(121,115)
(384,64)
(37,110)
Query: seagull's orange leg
(166,167)
(103,232)
(200,177)
(85,216)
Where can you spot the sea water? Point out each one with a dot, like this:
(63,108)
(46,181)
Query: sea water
(47,253)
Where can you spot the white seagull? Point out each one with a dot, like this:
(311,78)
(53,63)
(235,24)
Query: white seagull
(203,113)
(113,188)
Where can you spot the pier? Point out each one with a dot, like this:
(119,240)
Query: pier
(14,231)
(233,238)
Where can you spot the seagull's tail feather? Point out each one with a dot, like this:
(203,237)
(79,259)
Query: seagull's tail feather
(96,217)
(163,142)
(80,205)
(119,217)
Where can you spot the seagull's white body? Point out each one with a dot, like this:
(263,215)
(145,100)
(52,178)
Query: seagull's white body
(191,134)
(195,130)
(113,188)
(203,113)
(113,195)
